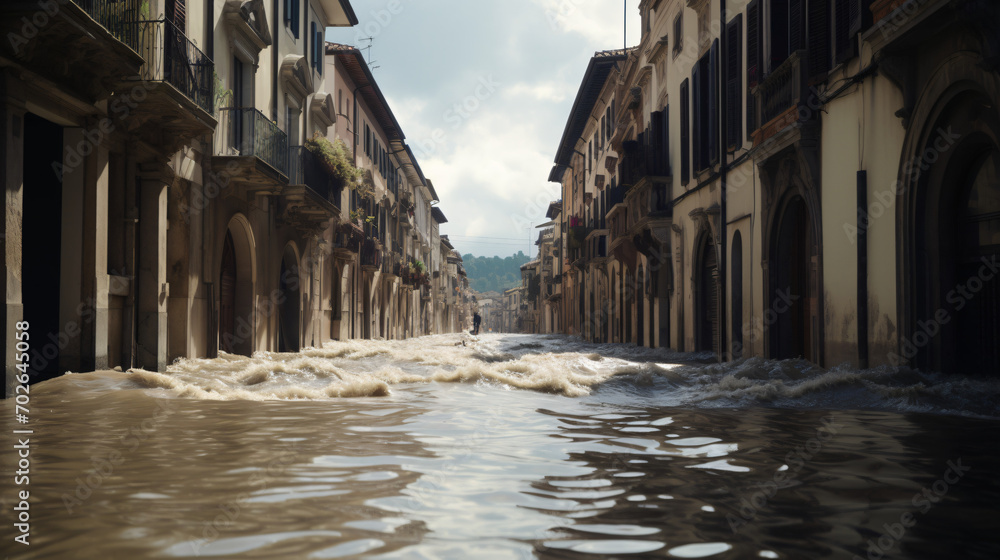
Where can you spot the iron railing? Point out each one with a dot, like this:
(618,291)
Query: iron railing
(371,254)
(306,168)
(247,132)
(118,17)
(781,90)
(172,58)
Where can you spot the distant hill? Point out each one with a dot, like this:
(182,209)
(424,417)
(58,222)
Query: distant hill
(493,273)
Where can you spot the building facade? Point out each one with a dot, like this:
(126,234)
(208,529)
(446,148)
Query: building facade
(811,179)
(165,194)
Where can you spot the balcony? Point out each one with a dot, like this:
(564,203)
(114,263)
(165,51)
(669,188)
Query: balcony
(347,241)
(313,194)
(86,46)
(178,83)
(778,98)
(596,245)
(251,150)
(371,254)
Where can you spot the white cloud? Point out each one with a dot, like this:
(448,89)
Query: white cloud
(546,91)
(599,21)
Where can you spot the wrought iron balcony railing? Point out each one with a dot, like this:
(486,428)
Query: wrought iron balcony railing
(371,253)
(782,90)
(119,17)
(247,132)
(306,168)
(172,58)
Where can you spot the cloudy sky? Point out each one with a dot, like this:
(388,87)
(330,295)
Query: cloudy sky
(482,89)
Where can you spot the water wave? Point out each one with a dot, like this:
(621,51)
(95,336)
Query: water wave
(555,364)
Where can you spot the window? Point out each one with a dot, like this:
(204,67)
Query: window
(340,102)
(848,20)
(679,32)
(316,47)
(590,156)
(818,38)
(320,43)
(292,16)
(778,28)
(753,61)
(176,13)
(685,133)
(611,127)
(734,81)
(705,130)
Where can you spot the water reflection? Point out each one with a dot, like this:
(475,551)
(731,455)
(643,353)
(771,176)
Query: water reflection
(458,460)
(791,484)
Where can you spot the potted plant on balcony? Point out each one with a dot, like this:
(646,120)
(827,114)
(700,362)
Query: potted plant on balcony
(335,157)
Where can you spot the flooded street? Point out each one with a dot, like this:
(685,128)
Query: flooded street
(510,446)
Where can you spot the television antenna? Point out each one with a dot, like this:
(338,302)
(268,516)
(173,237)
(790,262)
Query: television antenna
(368,51)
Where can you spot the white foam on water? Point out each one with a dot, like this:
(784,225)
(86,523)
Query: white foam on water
(562,365)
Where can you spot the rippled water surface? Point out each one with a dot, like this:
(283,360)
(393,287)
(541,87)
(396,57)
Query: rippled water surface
(509,446)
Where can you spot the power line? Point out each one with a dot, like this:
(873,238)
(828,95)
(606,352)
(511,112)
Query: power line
(485,237)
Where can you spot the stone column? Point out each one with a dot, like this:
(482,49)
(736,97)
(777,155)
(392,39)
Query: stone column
(84,263)
(153,289)
(12,112)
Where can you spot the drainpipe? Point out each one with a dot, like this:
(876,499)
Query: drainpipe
(274,64)
(723,170)
(862,194)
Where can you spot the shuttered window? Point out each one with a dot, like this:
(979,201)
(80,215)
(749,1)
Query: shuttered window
(320,44)
(696,104)
(705,129)
(753,61)
(292,16)
(176,13)
(711,136)
(848,20)
(796,31)
(734,82)
(818,31)
(685,133)
(777,50)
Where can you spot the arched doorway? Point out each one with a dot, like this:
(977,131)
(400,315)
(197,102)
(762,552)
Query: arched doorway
(640,290)
(236,281)
(629,290)
(289,305)
(227,297)
(736,268)
(976,248)
(950,314)
(793,281)
(708,297)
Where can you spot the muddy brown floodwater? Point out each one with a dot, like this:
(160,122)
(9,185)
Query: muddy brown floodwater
(508,446)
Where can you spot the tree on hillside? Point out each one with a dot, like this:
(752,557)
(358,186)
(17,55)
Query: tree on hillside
(487,274)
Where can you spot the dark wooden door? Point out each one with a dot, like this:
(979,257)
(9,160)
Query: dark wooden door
(708,295)
(227,297)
